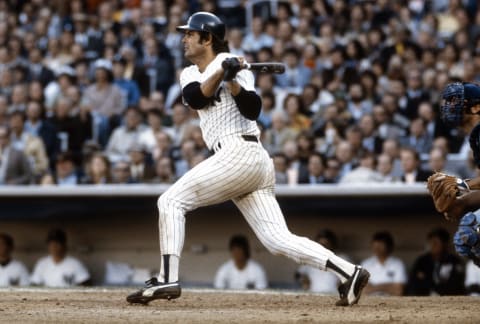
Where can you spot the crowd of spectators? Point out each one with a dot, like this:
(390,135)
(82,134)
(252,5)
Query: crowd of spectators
(89,90)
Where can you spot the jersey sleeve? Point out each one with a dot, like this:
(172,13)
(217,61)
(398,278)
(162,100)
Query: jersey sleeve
(246,80)
(187,76)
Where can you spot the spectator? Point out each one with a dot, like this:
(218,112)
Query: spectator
(140,170)
(15,168)
(123,137)
(314,279)
(345,155)
(58,269)
(163,145)
(365,172)
(66,173)
(72,130)
(385,168)
(158,65)
(121,173)
(387,273)
(32,146)
(297,119)
(276,137)
(280,163)
(164,171)
(472,279)
(104,98)
(411,167)
(154,121)
(184,161)
(316,166)
(418,138)
(357,105)
(256,39)
(296,76)
(332,170)
(12,272)
(130,90)
(181,123)
(97,170)
(437,272)
(370,140)
(65,78)
(37,125)
(240,272)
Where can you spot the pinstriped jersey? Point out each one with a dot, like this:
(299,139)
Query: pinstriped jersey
(221,117)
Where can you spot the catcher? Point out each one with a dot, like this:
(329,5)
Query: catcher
(453,197)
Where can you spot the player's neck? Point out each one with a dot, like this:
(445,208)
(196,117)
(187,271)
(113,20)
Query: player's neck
(204,60)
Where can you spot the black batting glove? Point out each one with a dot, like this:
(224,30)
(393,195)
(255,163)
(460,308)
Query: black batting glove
(231,66)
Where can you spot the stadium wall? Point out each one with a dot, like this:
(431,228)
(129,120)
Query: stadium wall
(120,224)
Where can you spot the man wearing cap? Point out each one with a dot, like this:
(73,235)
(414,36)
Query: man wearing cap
(105,101)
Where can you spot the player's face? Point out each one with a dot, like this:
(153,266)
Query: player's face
(192,45)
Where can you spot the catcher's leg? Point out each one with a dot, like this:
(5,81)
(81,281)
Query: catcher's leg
(227,174)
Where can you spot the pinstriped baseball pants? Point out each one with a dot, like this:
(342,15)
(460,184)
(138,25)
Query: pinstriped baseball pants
(243,172)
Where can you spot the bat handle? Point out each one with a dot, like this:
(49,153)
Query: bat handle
(246,65)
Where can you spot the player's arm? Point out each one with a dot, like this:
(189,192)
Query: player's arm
(248,102)
(474,183)
(199,94)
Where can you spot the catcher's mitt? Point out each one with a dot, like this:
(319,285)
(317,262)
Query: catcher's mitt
(444,190)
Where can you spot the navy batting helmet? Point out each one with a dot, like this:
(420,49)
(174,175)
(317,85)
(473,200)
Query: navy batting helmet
(205,22)
(458,98)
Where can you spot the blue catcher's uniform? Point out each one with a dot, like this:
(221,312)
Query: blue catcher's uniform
(458,98)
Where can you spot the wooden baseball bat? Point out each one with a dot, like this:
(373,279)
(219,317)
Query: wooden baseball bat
(267,67)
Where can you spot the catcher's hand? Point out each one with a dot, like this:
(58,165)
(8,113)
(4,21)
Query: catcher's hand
(445,190)
(231,66)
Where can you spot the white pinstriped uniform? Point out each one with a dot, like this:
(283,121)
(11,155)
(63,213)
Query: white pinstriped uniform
(239,170)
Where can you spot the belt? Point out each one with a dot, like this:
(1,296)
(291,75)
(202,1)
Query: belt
(248,138)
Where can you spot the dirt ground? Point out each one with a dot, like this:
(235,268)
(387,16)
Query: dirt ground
(204,306)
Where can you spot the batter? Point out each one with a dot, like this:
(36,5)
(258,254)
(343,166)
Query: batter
(240,170)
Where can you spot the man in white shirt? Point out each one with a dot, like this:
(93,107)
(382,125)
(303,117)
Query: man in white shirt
(12,272)
(58,269)
(240,272)
(387,273)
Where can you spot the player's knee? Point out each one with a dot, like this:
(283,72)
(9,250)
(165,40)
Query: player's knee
(163,203)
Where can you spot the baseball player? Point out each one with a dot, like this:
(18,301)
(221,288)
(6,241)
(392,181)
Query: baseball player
(223,93)
(457,198)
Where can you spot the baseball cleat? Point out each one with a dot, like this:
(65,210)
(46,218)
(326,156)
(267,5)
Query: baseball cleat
(155,290)
(351,289)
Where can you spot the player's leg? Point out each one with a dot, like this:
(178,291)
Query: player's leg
(228,173)
(262,212)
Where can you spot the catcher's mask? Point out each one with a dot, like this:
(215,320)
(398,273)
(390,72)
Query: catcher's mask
(457,99)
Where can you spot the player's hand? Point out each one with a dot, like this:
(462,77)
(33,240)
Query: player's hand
(231,66)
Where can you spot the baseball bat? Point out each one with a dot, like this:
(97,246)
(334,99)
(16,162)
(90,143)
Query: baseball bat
(267,67)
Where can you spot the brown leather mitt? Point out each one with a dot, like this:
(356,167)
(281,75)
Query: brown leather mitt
(444,190)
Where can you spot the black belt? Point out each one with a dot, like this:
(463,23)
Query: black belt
(248,138)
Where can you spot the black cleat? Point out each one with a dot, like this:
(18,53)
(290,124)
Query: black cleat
(155,290)
(351,290)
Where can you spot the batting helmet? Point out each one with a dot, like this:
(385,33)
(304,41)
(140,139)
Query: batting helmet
(205,22)
(458,98)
